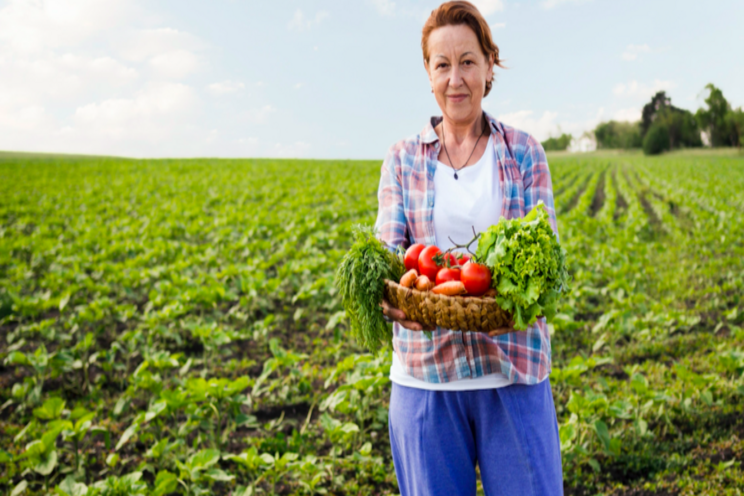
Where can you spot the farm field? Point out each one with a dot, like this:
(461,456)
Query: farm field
(171,327)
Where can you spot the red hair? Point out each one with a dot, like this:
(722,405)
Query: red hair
(457,13)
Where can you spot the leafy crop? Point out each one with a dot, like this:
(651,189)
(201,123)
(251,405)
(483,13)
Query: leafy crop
(173,327)
(360,281)
(528,266)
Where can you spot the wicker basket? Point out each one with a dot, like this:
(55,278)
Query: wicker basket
(459,313)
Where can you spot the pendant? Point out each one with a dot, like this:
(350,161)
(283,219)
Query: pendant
(455,175)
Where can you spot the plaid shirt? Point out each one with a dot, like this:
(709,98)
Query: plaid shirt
(406,215)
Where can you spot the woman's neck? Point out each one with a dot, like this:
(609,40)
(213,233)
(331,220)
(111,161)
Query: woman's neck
(459,131)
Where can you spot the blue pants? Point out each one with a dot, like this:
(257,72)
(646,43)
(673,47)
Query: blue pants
(437,437)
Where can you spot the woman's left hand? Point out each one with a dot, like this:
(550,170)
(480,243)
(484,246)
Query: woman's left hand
(502,330)
(506,329)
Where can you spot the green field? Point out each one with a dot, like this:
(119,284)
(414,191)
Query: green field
(171,326)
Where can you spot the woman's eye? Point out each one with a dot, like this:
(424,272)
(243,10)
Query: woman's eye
(441,66)
(468,62)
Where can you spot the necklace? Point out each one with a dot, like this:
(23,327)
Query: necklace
(471,153)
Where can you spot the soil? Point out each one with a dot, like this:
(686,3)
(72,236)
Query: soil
(599,195)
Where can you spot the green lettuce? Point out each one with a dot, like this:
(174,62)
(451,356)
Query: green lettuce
(528,266)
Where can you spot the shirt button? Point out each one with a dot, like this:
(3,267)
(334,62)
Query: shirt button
(431,202)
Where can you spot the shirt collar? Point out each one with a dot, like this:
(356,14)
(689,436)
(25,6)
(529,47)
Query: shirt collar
(428,135)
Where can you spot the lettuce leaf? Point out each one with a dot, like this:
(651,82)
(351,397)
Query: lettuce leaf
(528,266)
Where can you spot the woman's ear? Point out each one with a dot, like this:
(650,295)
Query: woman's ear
(428,73)
(489,73)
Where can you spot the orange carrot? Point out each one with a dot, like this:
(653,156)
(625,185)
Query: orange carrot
(450,288)
(423,283)
(409,278)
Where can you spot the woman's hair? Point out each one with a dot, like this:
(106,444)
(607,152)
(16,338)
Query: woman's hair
(456,13)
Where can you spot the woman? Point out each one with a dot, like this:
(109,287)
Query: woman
(461,399)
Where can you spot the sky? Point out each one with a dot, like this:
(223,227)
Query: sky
(334,79)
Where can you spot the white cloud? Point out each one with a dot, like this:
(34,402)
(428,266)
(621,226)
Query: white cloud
(157,101)
(549,124)
(384,7)
(147,44)
(634,89)
(297,86)
(488,7)
(175,64)
(632,51)
(497,25)
(225,87)
(30,26)
(541,128)
(300,23)
(549,4)
(632,114)
(260,115)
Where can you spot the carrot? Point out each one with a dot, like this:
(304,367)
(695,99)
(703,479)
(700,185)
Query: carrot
(450,288)
(409,278)
(423,283)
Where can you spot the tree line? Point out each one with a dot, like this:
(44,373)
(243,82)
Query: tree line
(665,127)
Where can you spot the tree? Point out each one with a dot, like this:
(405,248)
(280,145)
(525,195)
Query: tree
(658,102)
(735,119)
(716,120)
(557,144)
(613,134)
(681,125)
(656,140)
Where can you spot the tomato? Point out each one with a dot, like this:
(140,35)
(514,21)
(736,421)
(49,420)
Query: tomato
(448,274)
(462,258)
(412,255)
(426,264)
(476,278)
(452,260)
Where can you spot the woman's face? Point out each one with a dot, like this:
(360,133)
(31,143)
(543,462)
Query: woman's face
(458,71)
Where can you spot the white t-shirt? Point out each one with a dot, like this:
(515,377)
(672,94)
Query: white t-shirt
(473,200)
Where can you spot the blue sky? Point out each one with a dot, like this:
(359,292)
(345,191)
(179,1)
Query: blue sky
(333,79)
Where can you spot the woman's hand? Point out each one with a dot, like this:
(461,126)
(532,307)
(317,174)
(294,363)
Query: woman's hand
(399,316)
(503,330)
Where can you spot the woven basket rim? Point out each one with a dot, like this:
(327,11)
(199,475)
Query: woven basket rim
(462,298)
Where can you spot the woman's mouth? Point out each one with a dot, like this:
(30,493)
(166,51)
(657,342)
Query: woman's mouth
(457,98)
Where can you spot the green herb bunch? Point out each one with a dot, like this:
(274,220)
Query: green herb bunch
(528,266)
(360,278)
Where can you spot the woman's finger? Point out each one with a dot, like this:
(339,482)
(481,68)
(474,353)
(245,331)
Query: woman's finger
(499,332)
(392,312)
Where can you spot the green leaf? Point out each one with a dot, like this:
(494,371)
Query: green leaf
(128,433)
(20,488)
(216,474)
(603,433)
(46,463)
(69,487)
(204,458)
(165,483)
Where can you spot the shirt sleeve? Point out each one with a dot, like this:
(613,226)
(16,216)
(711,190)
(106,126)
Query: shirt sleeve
(391,217)
(536,180)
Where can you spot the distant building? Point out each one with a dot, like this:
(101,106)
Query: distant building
(584,143)
(705,138)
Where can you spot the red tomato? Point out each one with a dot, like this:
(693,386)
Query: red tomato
(447,274)
(412,256)
(452,260)
(427,266)
(462,258)
(476,278)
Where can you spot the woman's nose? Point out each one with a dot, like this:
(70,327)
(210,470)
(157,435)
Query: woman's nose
(455,77)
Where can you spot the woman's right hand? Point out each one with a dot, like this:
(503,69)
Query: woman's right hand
(399,316)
